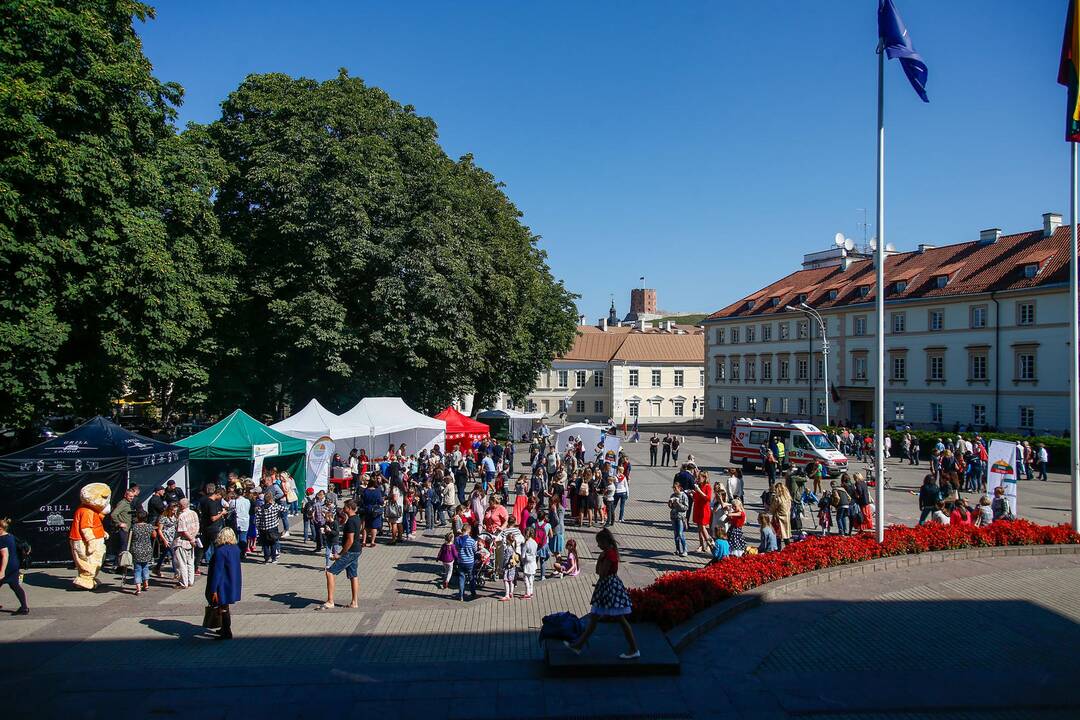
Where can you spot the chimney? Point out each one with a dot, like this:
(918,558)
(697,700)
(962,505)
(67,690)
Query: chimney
(643,325)
(602,324)
(923,247)
(989,236)
(1051,222)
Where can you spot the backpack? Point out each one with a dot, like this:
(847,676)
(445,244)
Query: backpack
(561,626)
(24,551)
(541,536)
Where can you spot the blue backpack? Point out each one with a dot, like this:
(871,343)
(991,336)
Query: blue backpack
(561,626)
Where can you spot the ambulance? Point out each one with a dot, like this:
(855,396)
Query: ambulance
(802,442)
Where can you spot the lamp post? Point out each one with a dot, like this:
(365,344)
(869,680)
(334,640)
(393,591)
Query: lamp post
(811,312)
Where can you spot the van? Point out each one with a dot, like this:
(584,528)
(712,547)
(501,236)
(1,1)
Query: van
(802,442)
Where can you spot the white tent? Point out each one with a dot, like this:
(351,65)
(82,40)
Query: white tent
(590,436)
(392,422)
(315,421)
(518,423)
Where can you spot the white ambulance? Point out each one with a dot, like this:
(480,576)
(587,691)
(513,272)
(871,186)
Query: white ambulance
(802,442)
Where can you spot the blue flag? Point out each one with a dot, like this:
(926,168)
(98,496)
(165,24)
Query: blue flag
(897,44)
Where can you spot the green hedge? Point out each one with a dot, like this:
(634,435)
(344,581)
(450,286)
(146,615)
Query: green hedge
(1058,447)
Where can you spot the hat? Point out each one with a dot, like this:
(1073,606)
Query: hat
(311,491)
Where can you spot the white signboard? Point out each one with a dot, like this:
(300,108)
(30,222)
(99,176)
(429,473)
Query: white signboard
(1001,470)
(318,463)
(260,453)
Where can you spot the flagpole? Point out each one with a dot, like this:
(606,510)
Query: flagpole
(1074,394)
(879,386)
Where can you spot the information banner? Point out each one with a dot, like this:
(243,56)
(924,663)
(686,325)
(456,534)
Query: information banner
(260,453)
(318,463)
(1001,470)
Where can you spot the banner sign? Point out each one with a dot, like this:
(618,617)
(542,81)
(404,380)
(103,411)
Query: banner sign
(1001,470)
(318,463)
(260,453)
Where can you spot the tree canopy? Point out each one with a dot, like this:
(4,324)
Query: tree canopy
(316,240)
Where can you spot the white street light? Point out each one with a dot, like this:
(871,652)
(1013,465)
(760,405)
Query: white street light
(807,310)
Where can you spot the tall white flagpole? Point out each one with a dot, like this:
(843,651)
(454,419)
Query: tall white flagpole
(1074,394)
(879,386)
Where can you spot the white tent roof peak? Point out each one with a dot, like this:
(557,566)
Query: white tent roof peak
(385,415)
(314,421)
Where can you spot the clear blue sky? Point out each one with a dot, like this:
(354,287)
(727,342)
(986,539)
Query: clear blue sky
(705,145)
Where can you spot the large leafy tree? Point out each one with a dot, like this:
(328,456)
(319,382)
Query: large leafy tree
(374,263)
(111,266)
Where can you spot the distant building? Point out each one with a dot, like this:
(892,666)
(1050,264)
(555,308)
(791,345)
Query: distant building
(976,335)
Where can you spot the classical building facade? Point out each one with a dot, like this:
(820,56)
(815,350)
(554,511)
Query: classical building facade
(653,374)
(976,335)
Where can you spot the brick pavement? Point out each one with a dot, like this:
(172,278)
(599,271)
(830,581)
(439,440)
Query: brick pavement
(404,620)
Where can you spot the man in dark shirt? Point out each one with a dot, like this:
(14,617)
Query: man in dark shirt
(155,505)
(211,519)
(685,479)
(666,457)
(654,445)
(348,558)
(172,493)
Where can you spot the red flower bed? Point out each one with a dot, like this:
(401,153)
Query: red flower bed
(678,596)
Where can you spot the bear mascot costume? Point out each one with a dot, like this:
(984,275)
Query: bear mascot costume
(88,533)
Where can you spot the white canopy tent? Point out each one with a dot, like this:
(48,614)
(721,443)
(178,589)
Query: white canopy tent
(518,423)
(590,436)
(314,421)
(391,421)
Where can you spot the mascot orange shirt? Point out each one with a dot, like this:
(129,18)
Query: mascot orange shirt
(86,519)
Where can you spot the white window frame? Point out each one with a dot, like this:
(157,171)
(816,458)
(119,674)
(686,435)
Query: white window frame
(656,378)
(634,378)
(677,407)
(580,378)
(563,378)
(598,378)
(679,378)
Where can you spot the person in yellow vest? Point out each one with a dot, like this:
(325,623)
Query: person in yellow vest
(781,454)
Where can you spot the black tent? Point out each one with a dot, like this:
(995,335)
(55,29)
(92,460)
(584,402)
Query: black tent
(39,486)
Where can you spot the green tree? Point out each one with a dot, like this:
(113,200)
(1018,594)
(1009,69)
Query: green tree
(106,233)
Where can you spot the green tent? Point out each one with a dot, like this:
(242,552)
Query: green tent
(230,445)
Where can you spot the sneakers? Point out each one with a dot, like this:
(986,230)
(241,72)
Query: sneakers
(286,534)
(22,611)
(630,656)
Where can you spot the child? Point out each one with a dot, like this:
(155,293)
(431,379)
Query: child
(142,550)
(768,535)
(528,561)
(721,549)
(331,530)
(448,555)
(543,536)
(569,565)
(824,514)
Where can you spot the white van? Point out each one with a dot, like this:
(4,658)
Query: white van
(802,442)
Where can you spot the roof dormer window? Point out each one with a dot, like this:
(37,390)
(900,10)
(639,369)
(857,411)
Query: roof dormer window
(864,290)
(749,304)
(832,294)
(1031,270)
(775,301)
(901,286)
(941,281)
(801,298)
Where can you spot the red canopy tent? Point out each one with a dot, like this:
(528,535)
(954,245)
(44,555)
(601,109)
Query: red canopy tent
(461,430)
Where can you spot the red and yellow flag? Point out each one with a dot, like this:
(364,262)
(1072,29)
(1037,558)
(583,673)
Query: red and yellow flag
(1069,72)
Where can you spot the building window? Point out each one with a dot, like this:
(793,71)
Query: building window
(936,416)
(900,286)
(785,405)
(858,367)
(598,378)
(802,329)
(782,331)
(766,369)
(977,366)
(734,403)
(678,408)
(859,327)
(978,415)
(632,408)
(579,378)
(899,322)
(1031,270)
(656,378)
(802,406)
(634,374)
(1025,365)
(721,371)
(751,406)
(751,370)
(766,333)
(719,402)
(579,406)
(831,295)
(678,378)
(821,406)
(1027,417)
(803,369)
(735,370)
(598,406)
(720,336)
(734,335)
(750,333)
(785,366)
(978,316)
(701,382)
(936,321)
(936,367)
(898,410)
(899,368)
(564,378)
(819,368)
(1025,313)
(941,281)
(767,405)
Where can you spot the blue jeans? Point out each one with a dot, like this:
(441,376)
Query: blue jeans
(924,514)
(1042,470)
(407,521)
(309,530)
(678,525)
(620,502)
(843,522)
(542,560)
(466,571)
(271,552)
(429,516)
(142,573)
(331,550)
(285,519)
(208,549)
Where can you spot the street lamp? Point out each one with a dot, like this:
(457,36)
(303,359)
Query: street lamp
(811,312)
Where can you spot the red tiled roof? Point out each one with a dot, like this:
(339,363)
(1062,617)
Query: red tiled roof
(624,343)
(972,268)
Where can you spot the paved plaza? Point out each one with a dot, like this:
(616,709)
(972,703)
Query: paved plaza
(412,648)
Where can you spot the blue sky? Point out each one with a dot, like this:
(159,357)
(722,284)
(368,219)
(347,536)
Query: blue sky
(705,145)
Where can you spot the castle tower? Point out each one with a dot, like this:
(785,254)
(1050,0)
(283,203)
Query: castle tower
(642,302)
